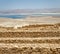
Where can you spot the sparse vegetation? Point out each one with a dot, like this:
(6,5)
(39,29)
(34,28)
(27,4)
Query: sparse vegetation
(29,50)
(51,41)
(30,32)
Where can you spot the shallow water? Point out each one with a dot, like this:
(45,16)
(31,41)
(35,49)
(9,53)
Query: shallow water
(24,16)
(13,16)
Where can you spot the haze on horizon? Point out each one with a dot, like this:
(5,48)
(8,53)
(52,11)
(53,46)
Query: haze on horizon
(28,4)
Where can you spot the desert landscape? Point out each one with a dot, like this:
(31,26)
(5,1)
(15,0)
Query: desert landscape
(29,26)
(30,35)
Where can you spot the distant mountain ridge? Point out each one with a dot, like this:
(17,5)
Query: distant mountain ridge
(52,10)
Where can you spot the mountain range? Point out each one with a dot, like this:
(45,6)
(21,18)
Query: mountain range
(51,10)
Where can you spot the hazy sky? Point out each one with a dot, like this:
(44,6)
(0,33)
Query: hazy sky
(28,4)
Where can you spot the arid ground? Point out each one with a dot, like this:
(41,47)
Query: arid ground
(32,35)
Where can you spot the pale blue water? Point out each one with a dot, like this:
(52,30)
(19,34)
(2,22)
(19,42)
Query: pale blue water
(13,16)
(24,16)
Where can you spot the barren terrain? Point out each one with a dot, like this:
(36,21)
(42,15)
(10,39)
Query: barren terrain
(30,35)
